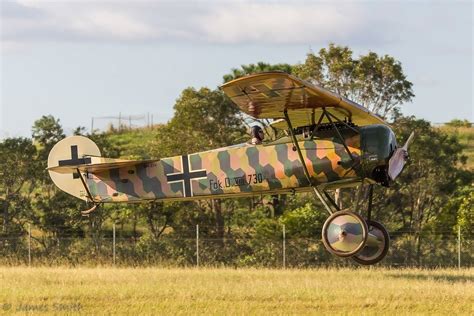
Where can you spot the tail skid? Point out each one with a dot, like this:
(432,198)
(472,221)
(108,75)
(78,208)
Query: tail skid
(89,211)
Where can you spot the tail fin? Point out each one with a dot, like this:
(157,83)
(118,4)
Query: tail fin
(72,151)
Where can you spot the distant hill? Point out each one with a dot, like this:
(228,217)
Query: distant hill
(137,143)
(466,137)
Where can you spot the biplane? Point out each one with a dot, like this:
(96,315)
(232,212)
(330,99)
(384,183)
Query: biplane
(330,143)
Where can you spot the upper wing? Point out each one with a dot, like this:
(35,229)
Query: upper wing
(267,95)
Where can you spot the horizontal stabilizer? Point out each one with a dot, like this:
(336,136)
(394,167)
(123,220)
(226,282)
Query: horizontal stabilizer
(107,164)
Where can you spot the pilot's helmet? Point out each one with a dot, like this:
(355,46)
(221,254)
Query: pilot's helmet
(257,132)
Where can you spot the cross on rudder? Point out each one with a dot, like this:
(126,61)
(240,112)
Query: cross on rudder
(75,160)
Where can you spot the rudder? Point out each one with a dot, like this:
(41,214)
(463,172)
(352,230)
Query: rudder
(72,151)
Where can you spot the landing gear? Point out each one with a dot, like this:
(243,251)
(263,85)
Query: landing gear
(376,247)
(345,233)
(87,212)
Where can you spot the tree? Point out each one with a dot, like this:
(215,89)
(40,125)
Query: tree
(459,123)
(256,68)
(57,213)
(47,131)
(376,82)
(465,210)
(18,167)
(60,215)
(417,201)
(203,119)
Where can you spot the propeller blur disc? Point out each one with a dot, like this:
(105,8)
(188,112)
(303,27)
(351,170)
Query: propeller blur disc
(396,163)
(399,158)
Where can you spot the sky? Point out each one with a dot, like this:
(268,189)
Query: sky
(77,59)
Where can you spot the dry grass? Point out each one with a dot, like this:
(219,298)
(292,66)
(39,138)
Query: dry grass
(228,291)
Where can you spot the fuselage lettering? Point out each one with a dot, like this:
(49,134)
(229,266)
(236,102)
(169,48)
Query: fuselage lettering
(244,180)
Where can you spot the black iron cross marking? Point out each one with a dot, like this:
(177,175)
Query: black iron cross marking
(186,176)
(265,90)
(74,160)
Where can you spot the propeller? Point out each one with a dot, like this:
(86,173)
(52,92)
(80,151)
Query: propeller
(398,159)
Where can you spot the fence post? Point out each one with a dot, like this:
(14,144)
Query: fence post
(197,246)
(113,242)
(29,245)
(284,247)
(459,246)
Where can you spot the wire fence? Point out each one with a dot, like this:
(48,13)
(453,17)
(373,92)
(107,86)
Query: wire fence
(276,249)
(126,121)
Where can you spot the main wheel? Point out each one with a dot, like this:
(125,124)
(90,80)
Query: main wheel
(377,245)
(344,233)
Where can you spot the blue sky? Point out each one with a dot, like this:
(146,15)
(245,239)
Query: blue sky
(83,59)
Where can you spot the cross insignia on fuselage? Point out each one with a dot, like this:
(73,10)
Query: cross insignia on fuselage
(186,176)
(75,160)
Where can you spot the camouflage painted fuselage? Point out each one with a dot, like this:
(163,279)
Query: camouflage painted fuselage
(238,170)
(247,169)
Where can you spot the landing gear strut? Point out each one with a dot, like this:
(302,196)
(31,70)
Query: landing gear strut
(378,242)
(345,233)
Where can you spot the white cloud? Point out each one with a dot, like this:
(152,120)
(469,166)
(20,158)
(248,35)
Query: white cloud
(63,21)
(213,22)
(115,25)
(12,46)
(278,23)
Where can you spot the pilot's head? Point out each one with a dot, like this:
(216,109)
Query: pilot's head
(257,134)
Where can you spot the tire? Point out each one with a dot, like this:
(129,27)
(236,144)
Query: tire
(344,233)
(370,255)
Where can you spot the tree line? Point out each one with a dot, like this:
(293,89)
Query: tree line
(430,201)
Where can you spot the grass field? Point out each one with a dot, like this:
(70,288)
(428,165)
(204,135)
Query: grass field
(227,291)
